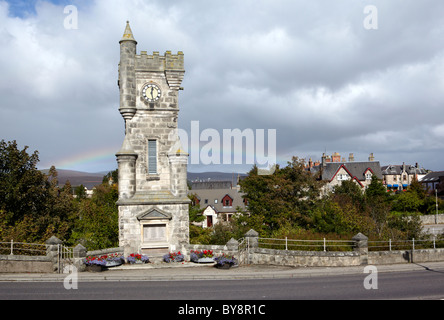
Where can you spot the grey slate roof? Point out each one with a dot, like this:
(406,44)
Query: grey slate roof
(397,169)
(356,169)
(433,176)
(219,194)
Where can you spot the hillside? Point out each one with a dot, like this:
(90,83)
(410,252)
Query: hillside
(77,178)
(90,180)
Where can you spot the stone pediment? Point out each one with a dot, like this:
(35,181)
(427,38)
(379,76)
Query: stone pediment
(154,214)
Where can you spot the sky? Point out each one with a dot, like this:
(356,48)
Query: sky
(342,76)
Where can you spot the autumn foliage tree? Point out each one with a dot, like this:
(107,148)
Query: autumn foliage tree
(285,197)
(32,206)
(288,203)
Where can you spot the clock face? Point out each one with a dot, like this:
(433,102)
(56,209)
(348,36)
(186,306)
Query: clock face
(151,92)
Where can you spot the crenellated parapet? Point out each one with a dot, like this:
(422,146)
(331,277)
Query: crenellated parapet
(160,63)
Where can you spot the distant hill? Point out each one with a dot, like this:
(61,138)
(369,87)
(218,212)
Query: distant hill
(90,180)
(76,178)
(218,176)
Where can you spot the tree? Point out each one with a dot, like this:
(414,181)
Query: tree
(285,197)
(349,190)
(96,219)
(195,212)
(32,205)
(376,190)
(414,199)
(113,175)
(80,192)
(377,205)
(23,188)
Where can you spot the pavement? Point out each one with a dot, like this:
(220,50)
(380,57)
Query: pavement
(192,271)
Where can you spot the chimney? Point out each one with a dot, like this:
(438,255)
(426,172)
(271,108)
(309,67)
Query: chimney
(351,157)
(371,157)
(335,157)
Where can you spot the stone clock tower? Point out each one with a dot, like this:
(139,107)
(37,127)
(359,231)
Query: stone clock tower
(153,202)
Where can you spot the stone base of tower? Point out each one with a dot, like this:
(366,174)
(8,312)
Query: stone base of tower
(153,229)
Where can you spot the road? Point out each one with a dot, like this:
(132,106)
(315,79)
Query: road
(421,284)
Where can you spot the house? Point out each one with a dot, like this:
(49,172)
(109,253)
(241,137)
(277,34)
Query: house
(399,177)
(220,204)
(333,170)
(434,181)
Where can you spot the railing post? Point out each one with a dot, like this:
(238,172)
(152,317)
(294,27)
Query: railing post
(286,243)
(325,247)
(390,244)
(52,252)
(78,254)
(12,247)
(361,246)
(252,242)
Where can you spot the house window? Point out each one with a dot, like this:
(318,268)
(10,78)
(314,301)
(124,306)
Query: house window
(227,201)
(368,176)
(152,156)
(215,200)
(206,201)
(154,232)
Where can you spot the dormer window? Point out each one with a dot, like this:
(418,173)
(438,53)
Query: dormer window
(227,201)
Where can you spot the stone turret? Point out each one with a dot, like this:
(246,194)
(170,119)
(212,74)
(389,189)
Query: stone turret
(127,74)
(126,160)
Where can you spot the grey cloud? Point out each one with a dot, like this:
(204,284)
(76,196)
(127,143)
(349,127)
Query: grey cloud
(306,68)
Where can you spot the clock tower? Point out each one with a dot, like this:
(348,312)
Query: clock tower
(153,202)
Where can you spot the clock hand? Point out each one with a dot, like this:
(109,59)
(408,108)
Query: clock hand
(152,89)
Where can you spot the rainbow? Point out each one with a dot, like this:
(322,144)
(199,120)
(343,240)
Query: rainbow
(89,159)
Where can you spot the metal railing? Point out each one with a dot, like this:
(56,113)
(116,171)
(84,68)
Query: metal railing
(22,248)
(65,256)
(306,245)
(391,245)
(348,245)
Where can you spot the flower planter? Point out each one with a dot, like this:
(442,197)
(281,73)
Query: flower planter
(173,257)
(205,256)
(225,261)
(95,268)
(136,258)
(110,264)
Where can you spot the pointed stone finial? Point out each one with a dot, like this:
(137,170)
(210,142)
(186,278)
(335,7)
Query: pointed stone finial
(128,34)
(126,148)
